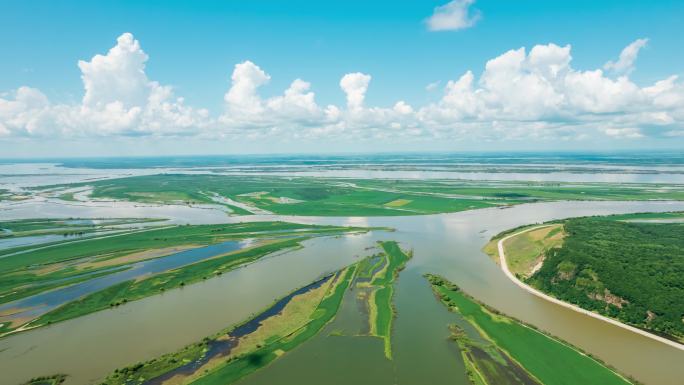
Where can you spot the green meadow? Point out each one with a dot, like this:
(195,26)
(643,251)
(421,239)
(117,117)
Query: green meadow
(29,271)
(360,197)
(383,285)
(136,289)
(264,348)
(549,360)
(248,363)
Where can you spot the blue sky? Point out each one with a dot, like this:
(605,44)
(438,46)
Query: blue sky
(193,47)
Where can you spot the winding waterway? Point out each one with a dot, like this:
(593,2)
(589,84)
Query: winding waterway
(89,347)
(43,302)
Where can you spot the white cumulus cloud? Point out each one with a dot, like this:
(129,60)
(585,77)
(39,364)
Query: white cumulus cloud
(118,99)
(355,86)
(453,16)
(245,108)
(521,94)
(625,63)
(539,94)
(118,76)
(242,96)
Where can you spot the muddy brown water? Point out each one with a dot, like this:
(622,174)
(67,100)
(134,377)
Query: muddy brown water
(89,347)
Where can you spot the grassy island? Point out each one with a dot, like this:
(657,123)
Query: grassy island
(510,352)
(108,271)
(238,351)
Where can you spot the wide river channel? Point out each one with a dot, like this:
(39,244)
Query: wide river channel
(90,347)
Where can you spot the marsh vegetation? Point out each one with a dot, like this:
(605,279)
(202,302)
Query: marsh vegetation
(248,194)
(61,281)
(238,351)
(515,353)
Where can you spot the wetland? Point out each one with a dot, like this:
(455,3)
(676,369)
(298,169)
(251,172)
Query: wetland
(228,275)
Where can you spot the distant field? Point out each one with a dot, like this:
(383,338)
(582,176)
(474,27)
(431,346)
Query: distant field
(473,161)
(30,227)
(543,358)
(6,195)
(531,191)
(247,194)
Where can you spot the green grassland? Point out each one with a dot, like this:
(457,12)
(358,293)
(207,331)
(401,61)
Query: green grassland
(643,217)
(248,363)
(486,364)
(526,251)
(47,380)
(303,322)
(382,284)
(302,196)
(32,270)
(361,197)
(46,268)
(147,239)
(264,348)
(23,268)
(6,195)
(28,285)
(545,358)
(535,191)
(141,371)
(370,265)
(72,226)
(624,266)
(136,289)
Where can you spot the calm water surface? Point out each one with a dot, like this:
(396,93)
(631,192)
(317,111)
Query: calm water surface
(41,303)
(89,347)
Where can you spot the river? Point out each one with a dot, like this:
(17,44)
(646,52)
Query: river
(89,347)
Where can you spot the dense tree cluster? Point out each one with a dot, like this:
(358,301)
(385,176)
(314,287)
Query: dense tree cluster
(630,271)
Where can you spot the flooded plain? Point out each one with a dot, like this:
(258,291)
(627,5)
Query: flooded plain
(41,303)
(90,347)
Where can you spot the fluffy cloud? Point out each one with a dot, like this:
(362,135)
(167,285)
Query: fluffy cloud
(25,111)
(628,56)
(118,99)
(453,16)
(521,94)
(540,89)
(118,76)
(242,96)
(402,108)
(246,109)
(355,86)
(296,113)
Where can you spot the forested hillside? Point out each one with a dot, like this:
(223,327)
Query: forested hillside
(628,270)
